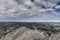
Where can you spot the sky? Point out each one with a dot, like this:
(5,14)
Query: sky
(30,10)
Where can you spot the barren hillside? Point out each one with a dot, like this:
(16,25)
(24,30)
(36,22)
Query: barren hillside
(30,31)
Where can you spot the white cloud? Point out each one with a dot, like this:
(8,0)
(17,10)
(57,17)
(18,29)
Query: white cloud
(57,6)
(25,9)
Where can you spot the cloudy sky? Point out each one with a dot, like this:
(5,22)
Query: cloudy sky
(30,10)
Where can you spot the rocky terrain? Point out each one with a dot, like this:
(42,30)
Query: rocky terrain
(14,14)
(29,31)
(25,34)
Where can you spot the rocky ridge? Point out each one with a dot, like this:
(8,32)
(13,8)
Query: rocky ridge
(33,31)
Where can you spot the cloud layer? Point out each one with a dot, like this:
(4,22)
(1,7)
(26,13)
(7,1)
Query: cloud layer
(29,10)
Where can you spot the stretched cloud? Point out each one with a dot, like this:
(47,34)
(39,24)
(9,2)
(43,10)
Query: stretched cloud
(29,10)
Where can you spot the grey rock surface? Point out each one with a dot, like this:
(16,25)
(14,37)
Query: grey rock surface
(25,33)
(55,36)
